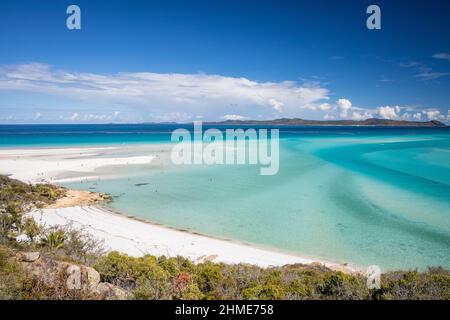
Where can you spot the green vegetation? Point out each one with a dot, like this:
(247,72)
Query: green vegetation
(19,194)
(177,278)
(54,239)
(149,277)
(17,197)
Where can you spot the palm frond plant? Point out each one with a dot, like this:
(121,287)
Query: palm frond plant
(54,239)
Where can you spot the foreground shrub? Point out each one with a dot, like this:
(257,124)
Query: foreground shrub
(338,285)
(141,275)
(208,276)
(81,246)
(434,284)
(263,292)
(11,276)
(54,238)
(32,229)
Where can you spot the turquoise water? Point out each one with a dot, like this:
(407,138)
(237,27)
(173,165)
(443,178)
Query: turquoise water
(361,195)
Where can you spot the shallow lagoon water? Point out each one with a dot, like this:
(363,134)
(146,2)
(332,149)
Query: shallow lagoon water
(361,195)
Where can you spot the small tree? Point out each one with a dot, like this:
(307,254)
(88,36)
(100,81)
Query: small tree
(31,228)
(80,246)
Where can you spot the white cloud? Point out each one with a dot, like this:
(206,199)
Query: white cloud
(90,117)
(426,73)
(233,117)
(433,114)
(174,116)
(406,116)
(385,79)
(74,117)
(344,105)
(442,56)
(348,111)
(277,105)
(429,75)
(324,106)
(96,117)
(146,96)
(357,116)
(361,115)
(157,95)
(410,64)
(388,112)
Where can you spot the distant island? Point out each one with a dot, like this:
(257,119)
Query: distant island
(302,122)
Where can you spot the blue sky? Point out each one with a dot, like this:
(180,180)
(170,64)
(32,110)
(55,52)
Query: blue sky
(139,61)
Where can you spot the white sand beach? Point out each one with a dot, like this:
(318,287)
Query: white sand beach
(45,165)
(137,238)
(126,234)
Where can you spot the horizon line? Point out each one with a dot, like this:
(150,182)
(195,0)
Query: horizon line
(228,121)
